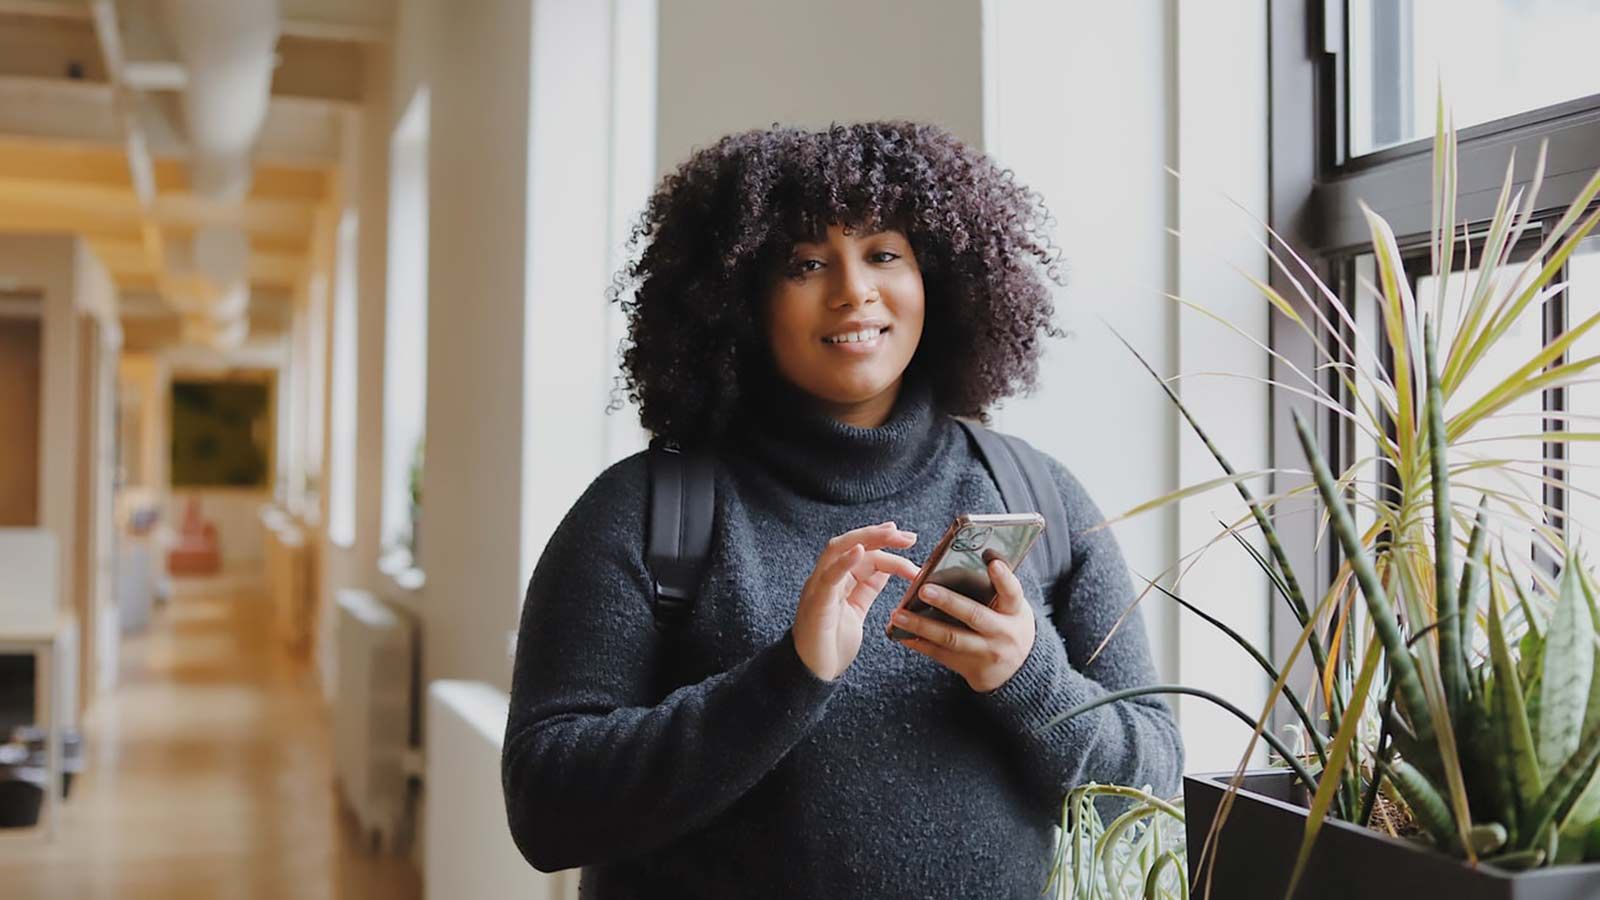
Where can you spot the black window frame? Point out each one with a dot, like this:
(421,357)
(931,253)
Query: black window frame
(1313,191)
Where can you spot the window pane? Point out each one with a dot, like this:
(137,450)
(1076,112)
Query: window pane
(342,417)
(1583,400)
(405,367)
(1513,483)
(1495,58)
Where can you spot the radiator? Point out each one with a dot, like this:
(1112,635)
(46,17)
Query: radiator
(469,850)
(374,713)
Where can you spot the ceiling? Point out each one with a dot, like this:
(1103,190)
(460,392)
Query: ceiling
(92,142)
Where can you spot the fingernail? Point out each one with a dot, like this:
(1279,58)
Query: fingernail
(929,591)
(900,618)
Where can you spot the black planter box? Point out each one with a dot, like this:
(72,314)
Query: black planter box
(1258,844)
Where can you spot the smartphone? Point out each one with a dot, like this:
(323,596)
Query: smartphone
(961,559)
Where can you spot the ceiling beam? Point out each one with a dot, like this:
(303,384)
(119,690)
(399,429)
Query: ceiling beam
(298,133)
(128,263)
(123,100)
(64,161)
(364,21)
(125,46)
(89,204)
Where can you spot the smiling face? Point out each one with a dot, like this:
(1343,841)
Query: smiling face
(844,317)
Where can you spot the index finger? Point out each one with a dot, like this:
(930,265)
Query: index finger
(872,537)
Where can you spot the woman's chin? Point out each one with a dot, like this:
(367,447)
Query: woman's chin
(856,393)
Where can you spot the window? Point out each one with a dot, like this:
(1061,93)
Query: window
(342,415)
(1353,87)
(1496,58)
(1583,402)
(405,367)
(315,386)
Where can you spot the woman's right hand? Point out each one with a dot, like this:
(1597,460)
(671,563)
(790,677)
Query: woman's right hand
(849,574)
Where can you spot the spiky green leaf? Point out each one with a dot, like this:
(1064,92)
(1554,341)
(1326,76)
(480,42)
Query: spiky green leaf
(1528,780)
(1452,656)
(1477,563)
(1426,802)
(1568,667)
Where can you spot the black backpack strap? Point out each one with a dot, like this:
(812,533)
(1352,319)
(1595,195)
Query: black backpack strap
(1027,486)
(682,504)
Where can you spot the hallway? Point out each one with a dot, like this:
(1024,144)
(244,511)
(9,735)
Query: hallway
(208,776)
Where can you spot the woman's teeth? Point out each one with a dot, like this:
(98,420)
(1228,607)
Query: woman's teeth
(855,337)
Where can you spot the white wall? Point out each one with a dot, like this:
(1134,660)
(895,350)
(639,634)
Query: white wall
(1094,133)
(566,363)
(727,66)
(1222,155)
(1050,114)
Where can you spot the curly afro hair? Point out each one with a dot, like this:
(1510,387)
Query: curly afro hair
(720,226)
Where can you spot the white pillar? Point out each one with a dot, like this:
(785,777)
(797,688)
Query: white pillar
(478,147)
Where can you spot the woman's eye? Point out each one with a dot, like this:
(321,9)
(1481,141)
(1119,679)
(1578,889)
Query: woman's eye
(892,256)
(799,267)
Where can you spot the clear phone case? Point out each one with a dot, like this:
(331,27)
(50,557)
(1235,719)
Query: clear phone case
(960,562)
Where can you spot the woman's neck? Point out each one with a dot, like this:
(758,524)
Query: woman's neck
(869,413)
(825,457)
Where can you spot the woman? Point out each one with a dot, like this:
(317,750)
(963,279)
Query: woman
(812,308)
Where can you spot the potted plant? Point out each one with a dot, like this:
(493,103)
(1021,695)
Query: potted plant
(1460,737)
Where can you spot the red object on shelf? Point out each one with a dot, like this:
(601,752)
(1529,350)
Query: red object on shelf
(196,551)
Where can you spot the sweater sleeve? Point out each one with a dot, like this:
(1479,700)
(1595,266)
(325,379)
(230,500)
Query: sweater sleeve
(595,767)
(1131,742)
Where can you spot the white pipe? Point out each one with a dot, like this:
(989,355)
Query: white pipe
(227,49)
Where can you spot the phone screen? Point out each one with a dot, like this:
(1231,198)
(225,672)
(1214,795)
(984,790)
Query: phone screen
(960,562)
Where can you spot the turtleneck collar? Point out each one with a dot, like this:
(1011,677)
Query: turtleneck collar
(821,457)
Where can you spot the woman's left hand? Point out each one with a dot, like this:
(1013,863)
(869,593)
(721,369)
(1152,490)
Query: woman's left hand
(995,639)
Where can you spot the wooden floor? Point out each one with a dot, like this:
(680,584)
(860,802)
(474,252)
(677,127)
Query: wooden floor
(209,776)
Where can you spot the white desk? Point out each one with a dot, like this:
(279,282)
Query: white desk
(46,645)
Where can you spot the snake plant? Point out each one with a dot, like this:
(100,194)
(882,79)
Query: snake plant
(1459,686)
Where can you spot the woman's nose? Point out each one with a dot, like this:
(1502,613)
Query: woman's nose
(855,289)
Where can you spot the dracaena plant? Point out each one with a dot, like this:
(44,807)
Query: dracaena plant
(1448,690)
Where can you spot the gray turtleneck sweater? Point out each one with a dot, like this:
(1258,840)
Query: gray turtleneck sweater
(706,760)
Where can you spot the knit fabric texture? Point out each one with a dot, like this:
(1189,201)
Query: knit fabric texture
(704,759)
